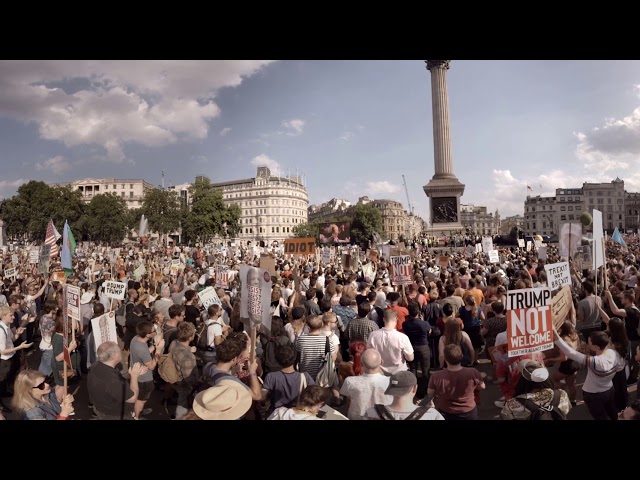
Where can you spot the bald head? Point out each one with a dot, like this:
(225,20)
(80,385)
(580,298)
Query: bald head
(371,359)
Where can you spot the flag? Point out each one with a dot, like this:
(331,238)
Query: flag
(529,188)
(616,237)
(51,238)
(68,247)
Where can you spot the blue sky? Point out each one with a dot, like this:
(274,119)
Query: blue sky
(352,127)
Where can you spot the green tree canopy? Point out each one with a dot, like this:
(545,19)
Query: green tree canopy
(162,210)
(106,218)
(366,220)
(208,213)
(305,230)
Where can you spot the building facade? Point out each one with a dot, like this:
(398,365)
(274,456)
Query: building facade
(131,191)
(509,223)
(540,216)
(569,206)
(632,212)
(608,198)
(271,206)
(328,211)
(476,220)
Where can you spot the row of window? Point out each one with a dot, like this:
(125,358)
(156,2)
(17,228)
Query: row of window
(264,230)
(247,221)
(265,211)
(262,193)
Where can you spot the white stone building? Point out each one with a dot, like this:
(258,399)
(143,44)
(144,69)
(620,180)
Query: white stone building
(132,191)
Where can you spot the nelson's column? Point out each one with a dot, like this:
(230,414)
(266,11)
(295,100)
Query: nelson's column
(444,189)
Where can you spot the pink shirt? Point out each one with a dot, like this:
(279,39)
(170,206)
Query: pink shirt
(391,344)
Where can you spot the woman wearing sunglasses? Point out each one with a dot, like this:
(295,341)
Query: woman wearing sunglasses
(36,399)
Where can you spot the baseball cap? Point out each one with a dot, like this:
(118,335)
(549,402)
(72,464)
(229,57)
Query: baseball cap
(401,383)
(533,371)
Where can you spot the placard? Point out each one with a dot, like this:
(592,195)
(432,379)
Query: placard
(300,246)
(401,270)
(34,255)
(73,302)
(529,245)
(10,273)
(15,259)
(222,277)
(326,255)
(443,261)
(494,257)
(58,277)
(478,248)
(255,298)
(208,297)
(487,244)
(542,253)
(104,329)
(558,275)
(521,243)
(562,306)
(139,272)
(469,251)
(529,321)
(45,259)
(373,255)
(268,263)
(115,290)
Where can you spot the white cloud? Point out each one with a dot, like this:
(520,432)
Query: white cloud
(360,128)
(382,187)
(8,187)
(295,126)
(264,161)
(346,136)
(56,164)
(224,131)
(112,103)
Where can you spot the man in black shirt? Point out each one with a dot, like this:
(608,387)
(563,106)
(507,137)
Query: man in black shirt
(418,332)
(631,316)
(191,311)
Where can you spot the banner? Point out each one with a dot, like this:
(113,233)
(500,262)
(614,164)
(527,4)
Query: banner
(335,232)
(222,277)
(487,244)
(255,297)
(558,275)
(529,321)
(208,297)
(104,329)
(494,257)
(300,246)
(73,302)
(401,270)
(115,290)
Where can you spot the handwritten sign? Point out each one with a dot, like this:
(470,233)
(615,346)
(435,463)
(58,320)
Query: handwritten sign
(401,270)
(558,275)
(34,255)
(561,306)
(300,246)
(494,257)
(10,273)
(529,321)
(115,290)
(208,297)
(104,329)
(521,242)
(73,302)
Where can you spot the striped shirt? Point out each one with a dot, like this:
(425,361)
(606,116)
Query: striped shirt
(360,328)
(312,350)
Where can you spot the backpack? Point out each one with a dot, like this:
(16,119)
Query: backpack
(543,413)
(269,362)
(167,369)
(384,413)
(203,343)
(327,377)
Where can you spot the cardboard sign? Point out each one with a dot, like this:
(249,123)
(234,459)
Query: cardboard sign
(222,277)
(373,254)
(104,329)
(562,306)
(558,275)
(34,255)
(73,302)
(521,243)
(59,277)
(208,297)
(443,261)
(300,246)
(487,244)
(542,253)
(529,321)
(11,273)
(401,270)
(115,290)
(494,257)
(268,263)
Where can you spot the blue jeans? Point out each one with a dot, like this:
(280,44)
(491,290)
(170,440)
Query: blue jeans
(45,362)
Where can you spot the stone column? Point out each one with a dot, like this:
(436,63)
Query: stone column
(440,109)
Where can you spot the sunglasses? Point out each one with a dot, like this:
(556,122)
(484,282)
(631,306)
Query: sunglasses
(47,381)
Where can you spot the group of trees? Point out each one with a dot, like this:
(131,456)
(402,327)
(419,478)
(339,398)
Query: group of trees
(366,219)
(106,217)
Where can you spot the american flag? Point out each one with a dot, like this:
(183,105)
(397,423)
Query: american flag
(51,239)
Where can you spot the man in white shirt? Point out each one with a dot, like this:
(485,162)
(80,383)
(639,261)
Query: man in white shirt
(9,361)
(364,391)
(394,346)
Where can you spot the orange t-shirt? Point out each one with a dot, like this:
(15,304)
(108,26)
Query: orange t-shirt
(477,294)
(402,314)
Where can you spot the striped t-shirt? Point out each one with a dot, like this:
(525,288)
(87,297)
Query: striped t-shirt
(312,351)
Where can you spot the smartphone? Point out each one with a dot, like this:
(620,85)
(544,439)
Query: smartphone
(321,414)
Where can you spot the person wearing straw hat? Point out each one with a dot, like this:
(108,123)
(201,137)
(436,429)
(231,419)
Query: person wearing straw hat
(227,400)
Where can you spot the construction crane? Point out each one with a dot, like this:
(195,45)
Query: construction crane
(404,181)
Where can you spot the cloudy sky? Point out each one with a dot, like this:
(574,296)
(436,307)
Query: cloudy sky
(352,128)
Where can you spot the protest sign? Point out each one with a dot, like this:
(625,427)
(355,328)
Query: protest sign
(255,297)
(542,253)
(73,302)
(300,246)
(222,277)
(268,263)
(58,277)
(104,329)
(10,273)
(529,245)
(372,254)
(478,247)
(326,255)
(443,261)
(570,238)
(115,290)
(494,257)
(139,272)
(34,255)
(386,252)
(521,243)
(469,251)
(175,266)
(562,307)
(15,260)
(529,321)
(558,275)
(44,259)
(598,235)
(208,297)
(487,244)
(401,270)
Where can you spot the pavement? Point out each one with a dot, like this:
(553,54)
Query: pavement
(486,409)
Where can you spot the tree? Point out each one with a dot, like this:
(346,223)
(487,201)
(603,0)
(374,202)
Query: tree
(306,230)
(162,210)
(106,218)
(366,220)
(209,214)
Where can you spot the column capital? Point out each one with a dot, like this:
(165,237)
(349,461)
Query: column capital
(437,64)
